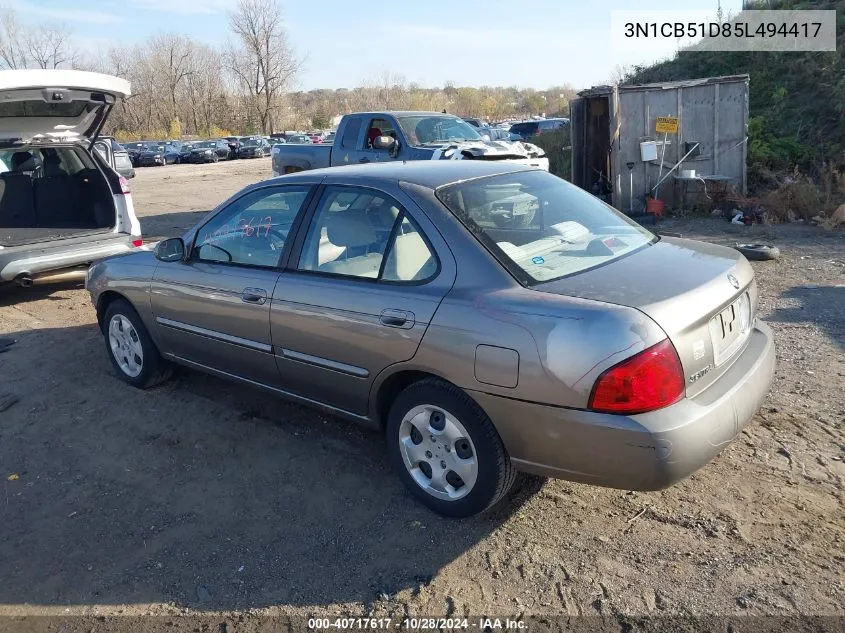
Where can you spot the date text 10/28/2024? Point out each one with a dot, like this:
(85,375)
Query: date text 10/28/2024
(417,624)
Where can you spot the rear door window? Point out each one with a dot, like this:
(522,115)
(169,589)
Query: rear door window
(350,133)
(363,233)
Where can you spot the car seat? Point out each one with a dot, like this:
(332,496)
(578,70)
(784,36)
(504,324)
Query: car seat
(373,134)
(56,196)
(17,209)
(410,259)
(351,229)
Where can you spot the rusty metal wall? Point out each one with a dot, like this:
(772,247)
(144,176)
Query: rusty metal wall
(714,114)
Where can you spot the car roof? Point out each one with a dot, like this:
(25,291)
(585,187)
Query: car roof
(398,113)
(427,173)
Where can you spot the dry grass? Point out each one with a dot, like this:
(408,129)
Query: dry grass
(798,200)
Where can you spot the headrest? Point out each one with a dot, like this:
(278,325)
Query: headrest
(52,166)
(350,229)
(24,161)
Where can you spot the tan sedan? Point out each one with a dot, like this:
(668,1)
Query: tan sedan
(486,317)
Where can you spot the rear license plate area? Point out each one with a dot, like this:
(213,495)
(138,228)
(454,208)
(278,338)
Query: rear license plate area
(729,328)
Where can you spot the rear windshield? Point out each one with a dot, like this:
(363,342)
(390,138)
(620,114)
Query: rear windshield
(540,226)
(45,109)
(43,161)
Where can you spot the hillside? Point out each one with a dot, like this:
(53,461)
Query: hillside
(796,101)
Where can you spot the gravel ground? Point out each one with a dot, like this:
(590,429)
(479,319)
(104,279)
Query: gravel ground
(205,497)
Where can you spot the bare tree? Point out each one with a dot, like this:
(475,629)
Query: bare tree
(171,56)
(13,49)
(204,88)
(51,47)
(261,60)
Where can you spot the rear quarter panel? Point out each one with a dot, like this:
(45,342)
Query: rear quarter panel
(563,344)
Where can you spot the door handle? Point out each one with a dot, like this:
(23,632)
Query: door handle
(397,318)
(364,160)
(254,295)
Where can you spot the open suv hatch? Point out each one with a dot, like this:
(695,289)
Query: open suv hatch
(62,205)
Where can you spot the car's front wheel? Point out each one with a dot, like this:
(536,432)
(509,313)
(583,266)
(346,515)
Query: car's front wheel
(131,350)
(446,450)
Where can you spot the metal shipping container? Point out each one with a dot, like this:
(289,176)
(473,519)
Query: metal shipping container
(609,124)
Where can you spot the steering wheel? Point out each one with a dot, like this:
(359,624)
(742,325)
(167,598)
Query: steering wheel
(279,242)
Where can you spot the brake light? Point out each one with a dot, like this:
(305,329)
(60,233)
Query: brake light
(651,380)
(124,185)
(137,243)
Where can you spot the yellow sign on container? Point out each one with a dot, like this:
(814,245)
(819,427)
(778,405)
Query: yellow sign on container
(667,125)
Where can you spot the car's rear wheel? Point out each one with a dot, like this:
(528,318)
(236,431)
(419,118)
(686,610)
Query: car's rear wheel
(446,450)
(131,350)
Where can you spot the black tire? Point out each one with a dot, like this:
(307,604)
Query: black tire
(154,369)
(496,474)
(758,252)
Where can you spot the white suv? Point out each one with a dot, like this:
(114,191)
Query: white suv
(61,205)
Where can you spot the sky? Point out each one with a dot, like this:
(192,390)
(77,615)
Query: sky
(528,44)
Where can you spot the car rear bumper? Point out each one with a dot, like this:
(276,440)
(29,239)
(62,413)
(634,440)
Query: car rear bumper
(648,451)
(34,259)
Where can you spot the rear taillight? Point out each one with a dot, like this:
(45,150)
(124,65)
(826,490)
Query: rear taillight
(124,185)
(651,380)
(137,243)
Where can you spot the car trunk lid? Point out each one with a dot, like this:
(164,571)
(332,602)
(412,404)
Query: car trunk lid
(696,292)
(55,105)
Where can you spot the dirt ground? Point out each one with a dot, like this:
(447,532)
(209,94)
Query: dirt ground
(201,496)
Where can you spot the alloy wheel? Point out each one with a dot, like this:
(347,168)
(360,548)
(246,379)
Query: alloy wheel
(438,452)
(126,346)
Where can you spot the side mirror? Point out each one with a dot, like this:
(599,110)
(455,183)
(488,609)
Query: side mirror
(172,250)
(384,142)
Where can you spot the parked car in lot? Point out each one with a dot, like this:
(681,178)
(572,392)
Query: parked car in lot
(234,145)
(185,151)
(62,206)
(372,137)
(152,155)
(298,139)
(173,152)
(134,149)
(528,129)
(254,147)
(115,155)
(329,138)
(486,316)
(209,151)
(487,132)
